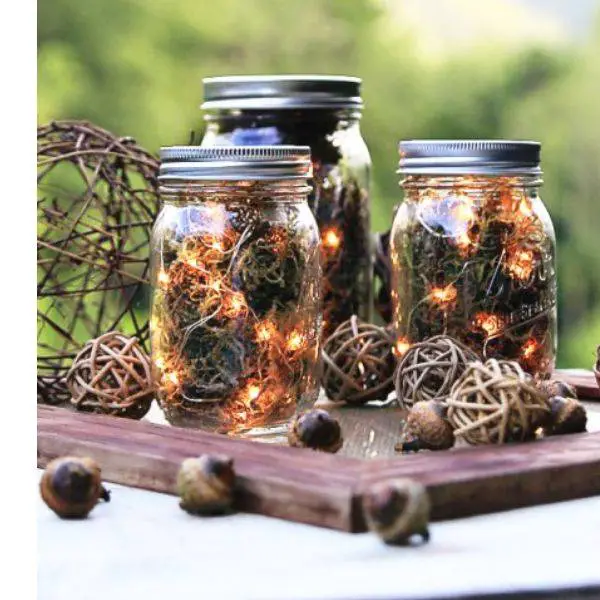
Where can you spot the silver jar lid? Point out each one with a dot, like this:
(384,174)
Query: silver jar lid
(260,92)
(463,157)
(234,163)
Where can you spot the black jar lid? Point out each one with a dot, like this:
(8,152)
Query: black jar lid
(234,163)
(464,157)
(263,92)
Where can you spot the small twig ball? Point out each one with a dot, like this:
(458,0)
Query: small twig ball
(112,375)
(206,485)
(567,415)
(358,363)
(315,429)
(496,402)
(429,368)
(72,486)
(427,428)
(397,510)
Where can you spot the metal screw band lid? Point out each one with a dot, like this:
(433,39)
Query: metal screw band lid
(261,92)
(463,157)
(234,163)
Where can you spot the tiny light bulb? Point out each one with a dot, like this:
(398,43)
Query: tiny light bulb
(529,347)
(173,378)
(253,392)
(331,239)
(491,324)
(295,341)
(402,346)
(163,277)
(444,295)
(264,331)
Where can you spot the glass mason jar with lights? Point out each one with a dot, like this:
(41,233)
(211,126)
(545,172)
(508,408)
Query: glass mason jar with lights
(324,113)
(473,250)
(235,323)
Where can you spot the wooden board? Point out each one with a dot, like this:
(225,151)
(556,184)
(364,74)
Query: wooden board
(326,490)
(584,381)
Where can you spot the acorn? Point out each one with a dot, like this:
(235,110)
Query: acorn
(206,485)
(427,428)
(554,387)
(71,486)
(397,510)
(567,415)
(315,429)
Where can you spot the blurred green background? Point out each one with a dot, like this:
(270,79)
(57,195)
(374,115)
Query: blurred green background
(524,69)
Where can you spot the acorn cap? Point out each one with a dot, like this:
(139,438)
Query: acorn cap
(426,424)
(315,429)
(206,484)
(71,486)
(397,510)
(555,387)
(568,415)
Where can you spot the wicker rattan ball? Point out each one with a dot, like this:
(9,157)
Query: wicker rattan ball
(358,363)
(112,375)
(429,368)
(496,402)
(97,199)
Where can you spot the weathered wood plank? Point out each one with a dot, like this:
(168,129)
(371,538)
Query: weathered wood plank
(469,481)
(281,482)
(583,380)
(322,489)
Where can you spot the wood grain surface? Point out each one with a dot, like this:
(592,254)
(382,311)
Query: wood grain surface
(326,490)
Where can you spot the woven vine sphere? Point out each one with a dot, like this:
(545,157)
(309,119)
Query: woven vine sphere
(112,375)
(97,199)
(429,368)
(496,402)
(358,363)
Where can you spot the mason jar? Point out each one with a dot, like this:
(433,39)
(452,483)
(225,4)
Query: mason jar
(473,250)
(323,113)
(235,323)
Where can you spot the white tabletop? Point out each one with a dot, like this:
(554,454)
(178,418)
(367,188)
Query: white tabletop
(141,545)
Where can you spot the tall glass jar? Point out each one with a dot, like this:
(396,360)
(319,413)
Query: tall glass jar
(235,321)
(473,250)
(323,113)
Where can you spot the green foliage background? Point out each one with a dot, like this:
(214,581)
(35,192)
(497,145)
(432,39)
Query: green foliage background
(135,67)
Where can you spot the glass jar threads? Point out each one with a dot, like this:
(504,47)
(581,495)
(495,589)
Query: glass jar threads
(473,250)
(322,112)
(235,321)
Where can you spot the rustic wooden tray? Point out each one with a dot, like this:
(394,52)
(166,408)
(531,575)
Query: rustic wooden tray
(326,490)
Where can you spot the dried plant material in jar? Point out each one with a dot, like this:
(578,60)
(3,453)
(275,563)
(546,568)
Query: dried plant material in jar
(235,323)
